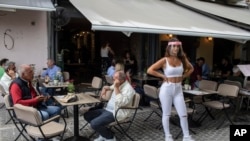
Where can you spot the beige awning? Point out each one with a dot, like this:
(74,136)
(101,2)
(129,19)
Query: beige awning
(153,16)
(239,14)
(39,5)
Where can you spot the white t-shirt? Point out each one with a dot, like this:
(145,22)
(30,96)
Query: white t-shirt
(104,52)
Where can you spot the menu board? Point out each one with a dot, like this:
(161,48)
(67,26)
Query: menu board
(245,69)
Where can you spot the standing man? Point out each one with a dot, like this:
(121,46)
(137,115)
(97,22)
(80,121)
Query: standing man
(122,95)
(22,92)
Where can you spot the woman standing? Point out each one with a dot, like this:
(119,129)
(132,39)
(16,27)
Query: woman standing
(105,50)
(130,63)
(176,68)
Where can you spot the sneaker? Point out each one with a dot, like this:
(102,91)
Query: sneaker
(100,138)
(188,138)
(114,139)
(168,138)
(56,139)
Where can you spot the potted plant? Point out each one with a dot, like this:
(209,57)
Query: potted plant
(71,96)
(187,84)
(71,87)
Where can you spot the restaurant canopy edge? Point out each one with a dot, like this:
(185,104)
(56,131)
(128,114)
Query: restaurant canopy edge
(38,5)
(135,16)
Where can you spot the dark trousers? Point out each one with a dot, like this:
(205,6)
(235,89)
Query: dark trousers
(99,119)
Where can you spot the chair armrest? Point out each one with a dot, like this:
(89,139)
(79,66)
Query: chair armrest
(10,108)
(92,89)
(86,84)
(51,119)
(126,107)
(129,107)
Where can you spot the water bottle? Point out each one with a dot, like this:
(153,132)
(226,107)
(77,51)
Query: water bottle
(61,79)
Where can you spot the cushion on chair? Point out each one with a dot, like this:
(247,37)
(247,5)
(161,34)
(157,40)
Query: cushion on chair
(189,111)
(120,122)
(216,105)
(51,129)
(154,104)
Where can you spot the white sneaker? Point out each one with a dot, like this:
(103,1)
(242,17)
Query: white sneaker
(168,138)
(188,138)
(114,139)
(55,139)
(100,138)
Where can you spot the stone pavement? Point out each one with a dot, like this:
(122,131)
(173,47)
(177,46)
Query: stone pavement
(141,130)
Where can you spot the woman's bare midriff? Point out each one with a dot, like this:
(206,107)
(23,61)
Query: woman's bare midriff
(174,79)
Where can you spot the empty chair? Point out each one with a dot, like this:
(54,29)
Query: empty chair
(205,85)
(226,92)
(241,95)
(92,88)
(35,127)
(66,76)
(153,93)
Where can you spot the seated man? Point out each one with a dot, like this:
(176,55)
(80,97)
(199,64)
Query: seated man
(22,92)
(9,75)
(196,75)
(50,72)
(52,69)
(122,95)
(111,69)
(205,68)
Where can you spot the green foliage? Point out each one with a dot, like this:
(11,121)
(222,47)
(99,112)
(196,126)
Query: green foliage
(71,88)
(187,80)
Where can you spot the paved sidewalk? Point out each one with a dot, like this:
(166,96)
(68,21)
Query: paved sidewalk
(140,131)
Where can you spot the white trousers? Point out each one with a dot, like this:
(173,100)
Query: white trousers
(171,93)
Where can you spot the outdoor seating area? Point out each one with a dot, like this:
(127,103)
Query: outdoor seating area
(141,130)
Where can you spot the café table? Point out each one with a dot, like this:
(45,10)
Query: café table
(60,87)
(81,99)
(51,85)
(202,93)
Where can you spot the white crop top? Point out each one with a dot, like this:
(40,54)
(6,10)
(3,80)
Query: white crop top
(171,71)
(104,52)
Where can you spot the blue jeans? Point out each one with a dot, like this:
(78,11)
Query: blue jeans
(49,112)
(99,119)
(48,92)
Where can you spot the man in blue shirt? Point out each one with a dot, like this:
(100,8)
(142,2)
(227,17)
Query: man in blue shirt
(111,69)
(205,68)
(51,70)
